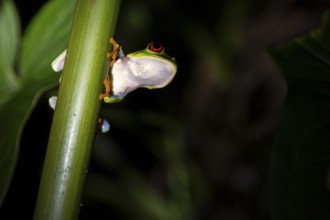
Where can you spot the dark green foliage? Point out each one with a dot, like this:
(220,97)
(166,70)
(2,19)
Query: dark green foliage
(301,152)
(21,87)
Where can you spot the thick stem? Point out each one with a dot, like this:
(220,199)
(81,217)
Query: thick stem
(75,118)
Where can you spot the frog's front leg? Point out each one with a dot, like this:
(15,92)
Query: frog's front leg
(112,54)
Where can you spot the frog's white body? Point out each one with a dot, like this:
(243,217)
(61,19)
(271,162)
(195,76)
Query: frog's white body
(130,73)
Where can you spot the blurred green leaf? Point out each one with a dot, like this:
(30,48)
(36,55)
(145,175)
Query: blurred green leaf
(9,33)
(147,201)
(301,152)
(45,38)
(8,44)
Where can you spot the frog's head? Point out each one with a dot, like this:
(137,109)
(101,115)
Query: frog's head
(149,68)
(162,64)
(155,50)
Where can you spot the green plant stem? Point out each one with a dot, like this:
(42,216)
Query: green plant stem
(76,115)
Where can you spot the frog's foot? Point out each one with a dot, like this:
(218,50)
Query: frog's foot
(52,102)
(106,83)
(110,99)
(103,125)
(113,53)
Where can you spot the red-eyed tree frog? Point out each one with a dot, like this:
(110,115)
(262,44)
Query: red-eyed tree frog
(150,68)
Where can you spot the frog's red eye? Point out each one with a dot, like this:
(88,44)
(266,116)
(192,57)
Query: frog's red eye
(155,47)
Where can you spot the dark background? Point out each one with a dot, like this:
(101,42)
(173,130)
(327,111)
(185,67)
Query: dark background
(202,144)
